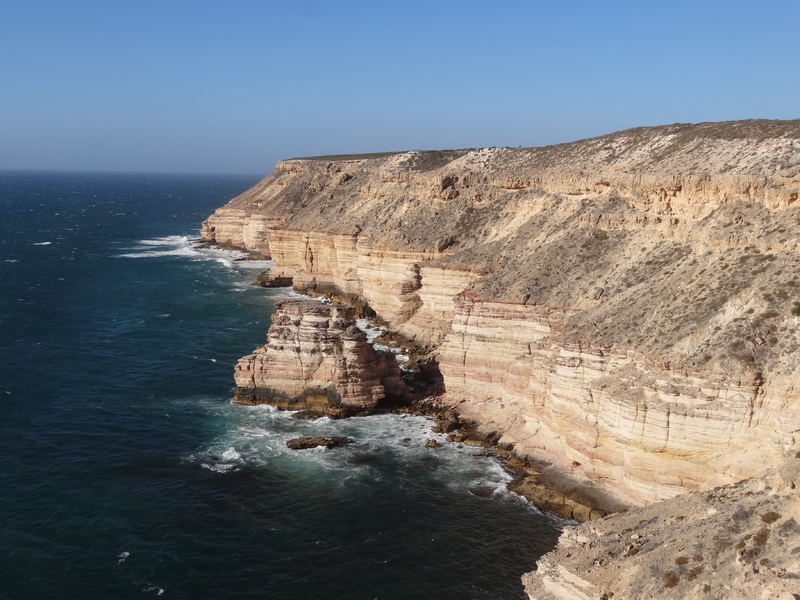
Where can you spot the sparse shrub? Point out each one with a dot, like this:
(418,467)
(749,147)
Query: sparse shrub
(671,579)
(693,573)
(770,517)
(681,560)
(796,309)
(761,537)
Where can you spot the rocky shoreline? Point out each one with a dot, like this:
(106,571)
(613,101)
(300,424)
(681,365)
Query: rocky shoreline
(617,312)
(312,332)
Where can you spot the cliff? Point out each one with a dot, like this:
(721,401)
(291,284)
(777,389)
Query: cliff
(620,307)
(317,359)
(620,310)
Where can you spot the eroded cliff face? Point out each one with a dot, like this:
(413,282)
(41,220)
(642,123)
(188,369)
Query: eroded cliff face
(317,359)
(620,307)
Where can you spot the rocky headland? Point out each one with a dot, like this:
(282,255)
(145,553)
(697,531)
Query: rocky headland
(618,312)
(316,359)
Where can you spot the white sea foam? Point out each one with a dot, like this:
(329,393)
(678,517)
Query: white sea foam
(41,243)
(186,247)
(122,556)
(257,437)
(153,588)
(188,252)
(241,286)
(172,245)
(181,246)
(371,329)
(231,454)
(174,240)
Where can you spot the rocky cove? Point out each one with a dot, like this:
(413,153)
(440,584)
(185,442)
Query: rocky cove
(617,312)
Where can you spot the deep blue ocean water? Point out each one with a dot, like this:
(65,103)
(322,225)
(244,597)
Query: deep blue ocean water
(125,471)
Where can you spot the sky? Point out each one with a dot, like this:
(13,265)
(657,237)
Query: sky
(233,86)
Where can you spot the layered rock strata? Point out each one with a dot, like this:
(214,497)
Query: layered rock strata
(645,430)
(619,308)
(317,359)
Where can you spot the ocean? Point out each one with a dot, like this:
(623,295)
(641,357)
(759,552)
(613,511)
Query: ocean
(126,471)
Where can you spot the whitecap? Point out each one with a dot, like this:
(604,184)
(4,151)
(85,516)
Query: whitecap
(122,556)
(182,246)
(153,588)
(171,245)
(174,240)
(218,467)
(41,243)
(231,454)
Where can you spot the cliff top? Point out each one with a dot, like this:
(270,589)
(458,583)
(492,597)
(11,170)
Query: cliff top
(679,240)
(645,147)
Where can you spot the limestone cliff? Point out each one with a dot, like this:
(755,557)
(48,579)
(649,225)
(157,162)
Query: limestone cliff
(317,359)
(620,307)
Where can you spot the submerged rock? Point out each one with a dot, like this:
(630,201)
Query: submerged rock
(302,443)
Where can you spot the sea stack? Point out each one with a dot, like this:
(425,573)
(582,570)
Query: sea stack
(317,359)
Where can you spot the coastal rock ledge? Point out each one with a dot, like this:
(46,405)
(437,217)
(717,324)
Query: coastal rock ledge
(317,359)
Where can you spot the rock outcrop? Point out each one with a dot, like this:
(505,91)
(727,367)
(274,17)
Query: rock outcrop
(317,359)
(304,443)
(736,542)
(619,308)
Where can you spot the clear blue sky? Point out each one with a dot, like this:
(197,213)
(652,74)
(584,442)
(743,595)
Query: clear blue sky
(235,85)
